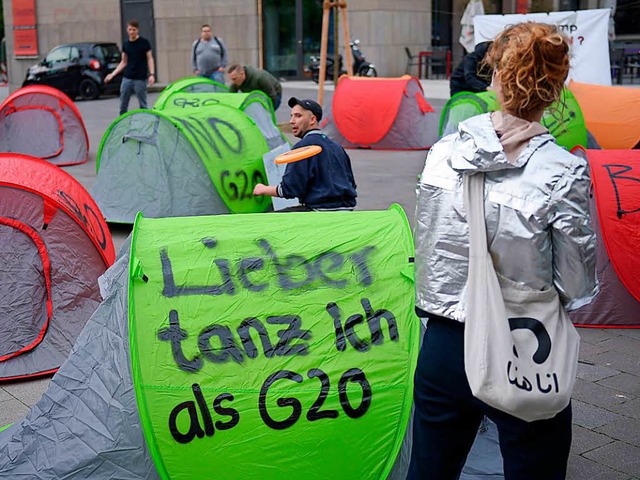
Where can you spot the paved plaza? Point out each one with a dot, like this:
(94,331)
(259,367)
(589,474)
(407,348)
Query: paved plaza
(606,400)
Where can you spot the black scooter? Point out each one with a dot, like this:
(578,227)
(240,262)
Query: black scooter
(361,67)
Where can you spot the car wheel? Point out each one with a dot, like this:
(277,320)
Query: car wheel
(88,89)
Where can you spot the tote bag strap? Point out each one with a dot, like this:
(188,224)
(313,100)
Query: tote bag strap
(473,190)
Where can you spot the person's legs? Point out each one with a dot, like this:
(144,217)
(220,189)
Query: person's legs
(125,94)
(534,450)
(446,415)
(140,87)
(218,77)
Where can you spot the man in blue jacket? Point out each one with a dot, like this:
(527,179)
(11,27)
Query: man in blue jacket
(323,182)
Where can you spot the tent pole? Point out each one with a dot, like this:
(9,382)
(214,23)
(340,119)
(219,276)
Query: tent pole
(347,39)
(326,5)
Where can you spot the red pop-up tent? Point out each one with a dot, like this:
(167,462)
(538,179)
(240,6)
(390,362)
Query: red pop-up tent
(381,113)
(54,244)
(616,218)
(43,122)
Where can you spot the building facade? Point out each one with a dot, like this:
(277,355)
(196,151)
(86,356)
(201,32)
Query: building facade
(278,35)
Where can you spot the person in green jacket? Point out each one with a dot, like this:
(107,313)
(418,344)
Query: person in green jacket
(246,79)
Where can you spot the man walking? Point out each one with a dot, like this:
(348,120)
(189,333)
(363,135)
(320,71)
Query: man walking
(209,56)
(323,182)
(246,79)
(139,68)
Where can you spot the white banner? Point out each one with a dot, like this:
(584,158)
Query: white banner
(588,36)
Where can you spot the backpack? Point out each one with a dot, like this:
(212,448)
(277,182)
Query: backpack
(195,47)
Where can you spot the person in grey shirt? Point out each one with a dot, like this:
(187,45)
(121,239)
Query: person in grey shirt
(209,56)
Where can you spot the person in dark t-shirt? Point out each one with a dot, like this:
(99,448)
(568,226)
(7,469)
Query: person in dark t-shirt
(139,68)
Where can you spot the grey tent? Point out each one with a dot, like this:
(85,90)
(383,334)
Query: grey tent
(182,162)
(61,136)
(54,244)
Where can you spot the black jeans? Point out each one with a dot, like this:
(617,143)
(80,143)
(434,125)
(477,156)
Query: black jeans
(447,417)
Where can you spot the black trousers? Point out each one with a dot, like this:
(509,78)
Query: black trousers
(447,417)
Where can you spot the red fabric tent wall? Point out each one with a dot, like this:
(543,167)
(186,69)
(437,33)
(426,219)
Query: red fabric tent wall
(61,135)
(616,217)
(381,113)
(54,244)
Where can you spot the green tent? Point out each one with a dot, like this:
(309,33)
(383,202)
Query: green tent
(191,84)
(184,163)
(563,119)
(273,346)
(255,104)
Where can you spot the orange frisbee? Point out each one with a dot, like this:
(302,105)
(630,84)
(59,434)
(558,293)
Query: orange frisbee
(298,154)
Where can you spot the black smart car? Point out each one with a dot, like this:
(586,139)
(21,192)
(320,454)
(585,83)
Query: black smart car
(78,69)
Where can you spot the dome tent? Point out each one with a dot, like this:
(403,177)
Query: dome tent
(563,119)
(611,113)
(103,417)
(180,163)
(62,138)
(254,104)
(615,208)
(189,85)
(380,113)
(54,245)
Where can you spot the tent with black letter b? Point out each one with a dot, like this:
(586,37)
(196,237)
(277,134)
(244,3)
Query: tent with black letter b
(261,346)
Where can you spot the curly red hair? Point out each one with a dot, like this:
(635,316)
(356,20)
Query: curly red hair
(531,62)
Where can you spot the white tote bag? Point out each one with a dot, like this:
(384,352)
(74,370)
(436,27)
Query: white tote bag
(520,348)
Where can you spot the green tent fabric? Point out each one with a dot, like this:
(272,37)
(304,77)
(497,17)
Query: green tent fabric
(563,119)
(201,162)
(190,84)
(255,104)
(273,346)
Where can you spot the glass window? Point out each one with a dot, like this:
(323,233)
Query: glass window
(74,54)
(492,6)
(288,25)
(57,55)
(626,17)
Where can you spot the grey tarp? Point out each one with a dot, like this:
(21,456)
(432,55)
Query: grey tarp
(86,424)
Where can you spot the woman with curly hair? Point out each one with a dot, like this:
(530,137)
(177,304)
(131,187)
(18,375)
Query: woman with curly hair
(538,233)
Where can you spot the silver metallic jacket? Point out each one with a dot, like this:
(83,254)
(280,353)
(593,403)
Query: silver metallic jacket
(537,217)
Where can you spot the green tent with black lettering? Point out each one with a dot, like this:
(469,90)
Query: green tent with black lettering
(563,119)
(181,163)
(191,84)
(237,346)
(254,104)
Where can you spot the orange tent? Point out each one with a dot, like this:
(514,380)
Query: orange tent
(610,113)
(381,113)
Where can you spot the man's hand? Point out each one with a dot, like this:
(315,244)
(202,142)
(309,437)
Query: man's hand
(151,80)
(108,78)
(197,72)
(260,189)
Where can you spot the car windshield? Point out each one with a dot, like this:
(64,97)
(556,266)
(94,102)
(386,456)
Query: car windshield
(107,53)
(57,55)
